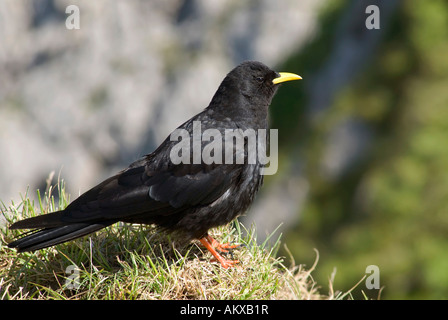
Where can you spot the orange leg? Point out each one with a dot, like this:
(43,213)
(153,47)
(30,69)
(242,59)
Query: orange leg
(212,245)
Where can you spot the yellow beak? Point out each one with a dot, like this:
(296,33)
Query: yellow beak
(286,76)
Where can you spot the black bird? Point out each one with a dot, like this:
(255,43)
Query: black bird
(187,197)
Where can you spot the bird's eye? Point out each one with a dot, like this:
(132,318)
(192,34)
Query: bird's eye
(259,79)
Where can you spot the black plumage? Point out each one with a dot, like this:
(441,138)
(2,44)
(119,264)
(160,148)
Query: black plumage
(189,198)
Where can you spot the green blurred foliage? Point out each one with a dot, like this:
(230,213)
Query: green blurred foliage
(391,208)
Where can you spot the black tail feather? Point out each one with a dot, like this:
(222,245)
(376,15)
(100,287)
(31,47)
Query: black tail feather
(49,220)
(51,236)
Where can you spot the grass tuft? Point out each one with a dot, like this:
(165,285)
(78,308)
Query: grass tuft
(127,261)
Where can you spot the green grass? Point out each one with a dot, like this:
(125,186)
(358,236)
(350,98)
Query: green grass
(138,262)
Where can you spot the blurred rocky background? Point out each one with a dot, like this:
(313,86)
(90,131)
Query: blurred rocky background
(363,158)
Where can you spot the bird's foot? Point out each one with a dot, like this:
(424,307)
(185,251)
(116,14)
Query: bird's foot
(225,263)
(222,247)
(212,245)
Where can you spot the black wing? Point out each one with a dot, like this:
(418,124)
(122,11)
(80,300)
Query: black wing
(151,191)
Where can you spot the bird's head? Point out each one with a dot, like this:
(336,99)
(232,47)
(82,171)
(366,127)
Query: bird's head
(250,85)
